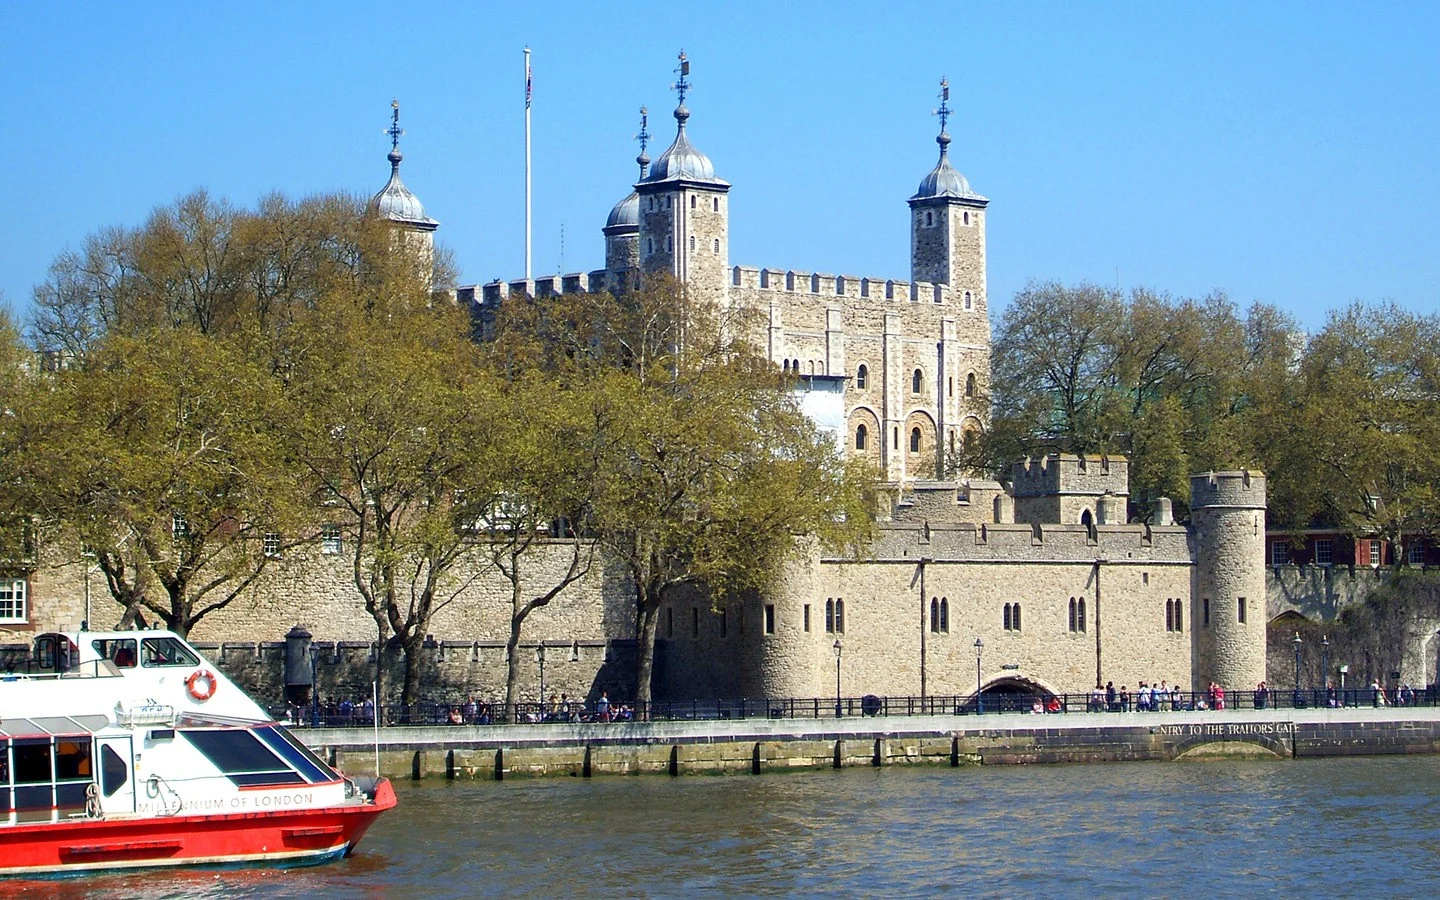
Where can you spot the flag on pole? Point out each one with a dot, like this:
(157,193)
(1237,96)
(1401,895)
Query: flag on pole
(527,81)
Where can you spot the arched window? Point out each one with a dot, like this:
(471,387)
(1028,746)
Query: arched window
(944,615)
(1007,617)
(1086,519)
(670,244)
(830,616)
(967,217)
(649,247)
(861,432)
(692,238)
(1015,617)
(839,615)
(1073,610)
(915,381)
(1169,615)
(967,299)
(935,615)
(1179,617)
(915,440)
(715,204)
(717,245)
(970,385)
(862,376)
(1081,616)
(928,220)
(692,201)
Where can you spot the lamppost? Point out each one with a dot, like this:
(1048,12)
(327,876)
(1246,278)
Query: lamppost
(838,649)
(540,658)
(1297,642)
(979,649)
(1325,662)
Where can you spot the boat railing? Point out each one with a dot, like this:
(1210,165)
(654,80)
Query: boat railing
(28,670)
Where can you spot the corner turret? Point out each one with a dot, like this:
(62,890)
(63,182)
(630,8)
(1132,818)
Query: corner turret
(1228,600)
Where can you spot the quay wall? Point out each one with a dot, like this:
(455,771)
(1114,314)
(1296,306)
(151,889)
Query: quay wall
(777,745)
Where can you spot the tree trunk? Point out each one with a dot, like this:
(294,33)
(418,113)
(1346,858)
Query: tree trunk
(412,645)
(512,662)
(645,664)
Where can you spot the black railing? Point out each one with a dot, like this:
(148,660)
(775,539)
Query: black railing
(349,715)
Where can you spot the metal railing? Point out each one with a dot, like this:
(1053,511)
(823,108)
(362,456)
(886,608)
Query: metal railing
(347,715)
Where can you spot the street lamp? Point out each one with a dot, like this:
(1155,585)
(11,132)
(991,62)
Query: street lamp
(1297,642)
(540,658)
(979,649)
(1325,662)
(838,649)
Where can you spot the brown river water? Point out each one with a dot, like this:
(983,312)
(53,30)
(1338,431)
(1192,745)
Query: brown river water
(1328,828)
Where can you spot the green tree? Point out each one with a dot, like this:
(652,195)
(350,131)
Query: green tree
(158,458)
(389,414)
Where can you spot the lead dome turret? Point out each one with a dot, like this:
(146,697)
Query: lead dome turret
(396,202)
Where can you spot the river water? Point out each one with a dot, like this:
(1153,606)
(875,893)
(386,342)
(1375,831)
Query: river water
(1329,827)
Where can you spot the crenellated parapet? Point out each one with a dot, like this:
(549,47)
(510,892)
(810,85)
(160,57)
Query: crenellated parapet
(826,285)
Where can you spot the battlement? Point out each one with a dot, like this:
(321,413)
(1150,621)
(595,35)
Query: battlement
(823,284)
(1067,473)
(495,292)
(1244,488)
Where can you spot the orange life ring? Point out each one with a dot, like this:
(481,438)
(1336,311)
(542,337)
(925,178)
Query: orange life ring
(201,684)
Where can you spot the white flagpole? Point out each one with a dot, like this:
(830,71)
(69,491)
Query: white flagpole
(527,163)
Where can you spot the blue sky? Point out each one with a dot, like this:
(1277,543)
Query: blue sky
(1281,151)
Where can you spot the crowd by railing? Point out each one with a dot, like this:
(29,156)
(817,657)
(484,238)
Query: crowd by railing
(363,714)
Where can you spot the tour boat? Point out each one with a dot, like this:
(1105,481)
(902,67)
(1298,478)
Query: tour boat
(127,749)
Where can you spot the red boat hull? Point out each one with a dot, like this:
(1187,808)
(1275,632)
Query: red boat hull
(286,836)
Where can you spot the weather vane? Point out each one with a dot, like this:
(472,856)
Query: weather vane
(395,130)
(681,86)
(644,136)
(944,111)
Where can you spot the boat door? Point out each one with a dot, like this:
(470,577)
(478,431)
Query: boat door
(116,768)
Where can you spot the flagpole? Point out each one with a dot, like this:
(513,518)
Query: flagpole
(527,163)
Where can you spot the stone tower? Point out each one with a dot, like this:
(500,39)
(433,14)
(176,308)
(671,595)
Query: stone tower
(1227,601)
(683,211)
(622,229)
(947,227)
(396,204)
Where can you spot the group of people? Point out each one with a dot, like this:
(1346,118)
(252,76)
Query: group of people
(558,708)
(1152,698)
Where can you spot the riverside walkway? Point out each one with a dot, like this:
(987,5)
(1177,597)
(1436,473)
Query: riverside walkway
(759,745)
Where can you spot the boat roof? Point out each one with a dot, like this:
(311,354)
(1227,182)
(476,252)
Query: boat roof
(45,726)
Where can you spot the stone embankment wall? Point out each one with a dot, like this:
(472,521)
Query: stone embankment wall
(762,746)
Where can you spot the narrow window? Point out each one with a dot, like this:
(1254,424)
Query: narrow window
(934,615)
(1169,615)
(807,618)
(667,202)
(967,299)
(915,379)
(970,385)
(179,527)
(692,239)
(1144,577)
(270,544)
(1206,604)
(649,247)
(944,615)
(839,615)
(950,386)
(330,540)
(1376,553)
(895,438)
(669,622)
(715,205)
(830,616)
(1179,617)
(967,217)
(1082,613)
(928,220)
(1074,609)
(692,201)
(717,245)
(1242,610)
(915,440)
(862,376)
(1015,615)
(1006,617)
(860,436)
(769,618)
(670,244)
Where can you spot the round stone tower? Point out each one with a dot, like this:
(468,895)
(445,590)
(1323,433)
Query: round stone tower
(779,657)
(1227,599)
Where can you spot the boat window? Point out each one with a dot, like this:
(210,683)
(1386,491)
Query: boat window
(242,758)
(5,804)
(296,754)
(120,651)
(166,651)
(72,772)
(34,791)
(114,773)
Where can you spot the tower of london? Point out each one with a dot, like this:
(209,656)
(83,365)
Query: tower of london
(1044,583)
